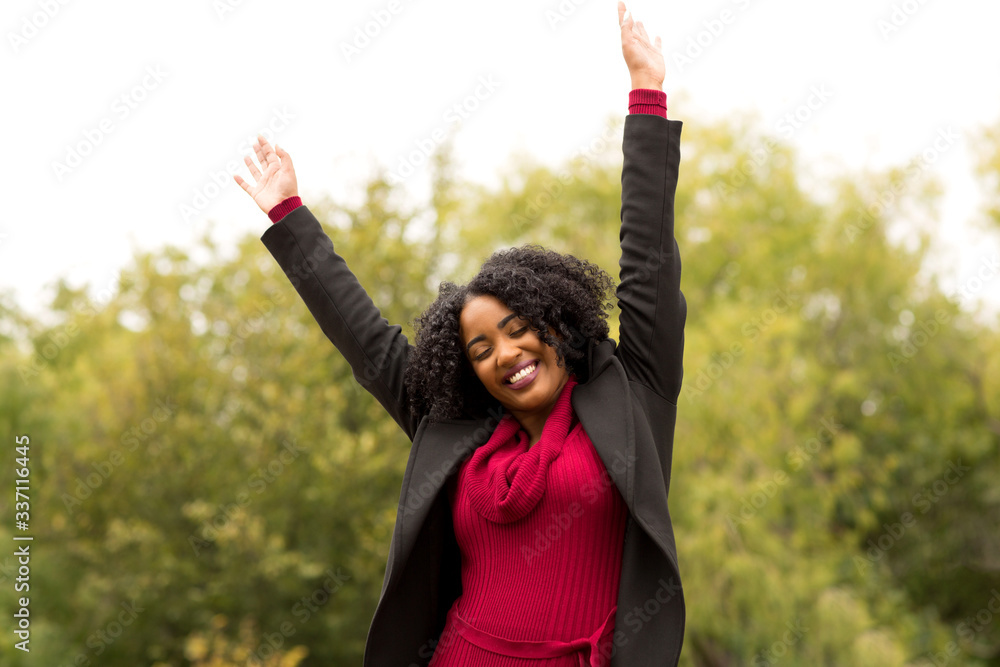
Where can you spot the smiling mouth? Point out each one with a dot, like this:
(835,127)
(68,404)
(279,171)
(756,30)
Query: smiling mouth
(523,373)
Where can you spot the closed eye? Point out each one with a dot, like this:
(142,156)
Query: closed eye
(513,334)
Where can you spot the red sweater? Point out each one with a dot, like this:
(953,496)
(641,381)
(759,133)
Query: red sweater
(640,100)
(540,530)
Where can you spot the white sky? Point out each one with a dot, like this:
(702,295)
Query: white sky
(227,68)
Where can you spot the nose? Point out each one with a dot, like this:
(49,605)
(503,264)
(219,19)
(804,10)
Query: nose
(508,353)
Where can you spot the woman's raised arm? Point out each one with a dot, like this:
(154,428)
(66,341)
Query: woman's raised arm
(653,310)
(376,350)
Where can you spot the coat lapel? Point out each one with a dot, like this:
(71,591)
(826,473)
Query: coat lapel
(603,407)
(438,449)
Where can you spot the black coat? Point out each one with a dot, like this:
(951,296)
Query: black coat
(626,401)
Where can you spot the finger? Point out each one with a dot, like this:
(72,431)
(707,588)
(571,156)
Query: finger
(261,148)
(622,20)
(265,150)
(283,154)
(269,155)
(258,149)
(658,43)
(252,167)
(642,31)
(243,184)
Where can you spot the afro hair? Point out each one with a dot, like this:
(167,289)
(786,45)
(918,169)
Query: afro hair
(546,288)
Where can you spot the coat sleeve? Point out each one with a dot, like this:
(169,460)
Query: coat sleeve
(653,310)
(376,351)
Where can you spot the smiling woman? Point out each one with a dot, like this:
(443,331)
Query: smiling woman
(521,371)
(533,527)
(525,304)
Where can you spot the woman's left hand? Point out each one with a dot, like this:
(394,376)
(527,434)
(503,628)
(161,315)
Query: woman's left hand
(275,179)
(643,57)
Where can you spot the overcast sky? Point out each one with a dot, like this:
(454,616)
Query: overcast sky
(121,117)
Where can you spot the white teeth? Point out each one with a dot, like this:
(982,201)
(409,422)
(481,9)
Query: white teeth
(521,374)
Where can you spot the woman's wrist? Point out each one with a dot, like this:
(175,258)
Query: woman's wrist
(284,208)
(647,84)
(647,101)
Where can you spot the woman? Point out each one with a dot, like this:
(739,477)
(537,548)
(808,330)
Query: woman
(533,526)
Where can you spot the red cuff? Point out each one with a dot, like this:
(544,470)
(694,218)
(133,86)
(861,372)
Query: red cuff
(284,208)
(647,100)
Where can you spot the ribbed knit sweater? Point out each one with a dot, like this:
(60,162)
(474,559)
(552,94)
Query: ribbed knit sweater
(540,529)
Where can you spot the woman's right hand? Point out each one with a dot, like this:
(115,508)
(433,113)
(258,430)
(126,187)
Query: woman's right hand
(276,182)
(643,56)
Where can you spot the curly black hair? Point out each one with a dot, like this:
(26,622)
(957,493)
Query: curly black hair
(549,289)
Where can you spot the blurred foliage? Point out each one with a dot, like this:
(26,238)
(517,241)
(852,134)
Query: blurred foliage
(210,486)
(987,147)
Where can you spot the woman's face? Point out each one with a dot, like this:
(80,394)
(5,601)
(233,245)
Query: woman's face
(501,346)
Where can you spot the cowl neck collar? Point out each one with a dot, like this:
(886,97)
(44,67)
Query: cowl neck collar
(505,476)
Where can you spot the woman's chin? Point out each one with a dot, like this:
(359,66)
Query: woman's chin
(540,393)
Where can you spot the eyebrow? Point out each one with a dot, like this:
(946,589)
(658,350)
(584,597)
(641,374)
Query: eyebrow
(500,325)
